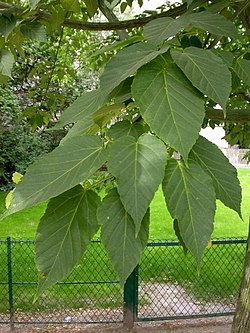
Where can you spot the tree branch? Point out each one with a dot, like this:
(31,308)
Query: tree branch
(233,115)
(98,26)
(112,18)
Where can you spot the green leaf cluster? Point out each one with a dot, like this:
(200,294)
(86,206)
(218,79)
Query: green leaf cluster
(142,127)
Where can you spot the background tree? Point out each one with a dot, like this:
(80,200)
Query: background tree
(176,71)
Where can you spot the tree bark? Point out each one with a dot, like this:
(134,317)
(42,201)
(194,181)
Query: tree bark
(241,321)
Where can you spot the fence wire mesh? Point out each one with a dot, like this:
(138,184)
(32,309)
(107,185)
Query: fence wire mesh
(169,286)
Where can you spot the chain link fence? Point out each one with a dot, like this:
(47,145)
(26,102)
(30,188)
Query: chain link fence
(165,285)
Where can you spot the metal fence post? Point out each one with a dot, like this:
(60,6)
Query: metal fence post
(130,299)
(10,290)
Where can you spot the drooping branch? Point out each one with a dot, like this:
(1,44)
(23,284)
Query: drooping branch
(232,115)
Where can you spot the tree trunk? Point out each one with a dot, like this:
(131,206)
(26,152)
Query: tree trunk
(241,322)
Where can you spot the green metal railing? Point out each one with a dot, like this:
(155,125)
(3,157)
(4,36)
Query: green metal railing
(165,285)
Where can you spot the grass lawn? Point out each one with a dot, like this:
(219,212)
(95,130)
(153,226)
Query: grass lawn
(22,225)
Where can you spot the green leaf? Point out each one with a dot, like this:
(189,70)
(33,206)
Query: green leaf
(83,108)
(104,115)
(163,28)
(118,45)
(223,174)
(126,128)
(139,167)
(92,6)
(57,17)
(214,23)
(7,25)
(190,198)
(126,63)
(6,62)
(65,230)
(71,6)
(65,167)
(35,31)
(169,104)
(84,127)
(123,7)
(242,69)
(118,235)
(226,56)
(200,67)
(123,92)
(178,235)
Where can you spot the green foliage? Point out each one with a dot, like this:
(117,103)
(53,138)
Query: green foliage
(199,67)
(67,217)
(119,232)
(138,165)
(169,103)
(19,146)
(190,198)
(161,87)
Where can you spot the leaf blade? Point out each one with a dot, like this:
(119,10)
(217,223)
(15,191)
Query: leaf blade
(190,198)
(139,167)
(65,230)
(63,168)
(199,66)
(169,104)
(224,175)
(126,62)
(118,235)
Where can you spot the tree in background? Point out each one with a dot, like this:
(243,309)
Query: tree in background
(170,73)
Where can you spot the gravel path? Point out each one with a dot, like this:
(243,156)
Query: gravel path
(208,325)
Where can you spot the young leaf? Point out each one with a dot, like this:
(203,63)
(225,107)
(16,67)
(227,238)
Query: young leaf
(190,198)
(169,104)
(104,115)
(118,45)
(83,107)
(54,173)
(65,230)
(126,62)
(242,69)
(200,67)
(139,167)
(223,174)
(118,235)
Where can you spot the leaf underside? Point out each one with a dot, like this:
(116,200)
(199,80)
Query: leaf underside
(65,230)
(138,166)
(118,235)
(190,198)
(169,104)
(224,174)
(54,173)
(200,67)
